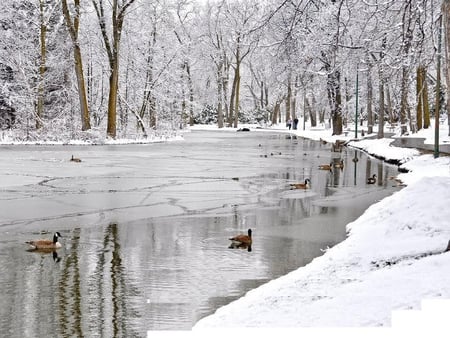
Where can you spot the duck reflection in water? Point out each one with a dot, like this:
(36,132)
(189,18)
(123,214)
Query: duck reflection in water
(45,252)
(241,246)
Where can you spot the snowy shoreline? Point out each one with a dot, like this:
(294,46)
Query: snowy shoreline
(392,259)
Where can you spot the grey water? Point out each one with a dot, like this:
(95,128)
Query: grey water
(145,227)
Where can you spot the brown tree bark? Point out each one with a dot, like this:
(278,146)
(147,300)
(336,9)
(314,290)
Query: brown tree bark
(112,49)
(42,66)
(72,25)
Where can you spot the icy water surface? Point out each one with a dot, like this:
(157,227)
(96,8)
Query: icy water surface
(145,227)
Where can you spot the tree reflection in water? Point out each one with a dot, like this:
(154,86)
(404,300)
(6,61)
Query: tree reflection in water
(111,287)
(70,295)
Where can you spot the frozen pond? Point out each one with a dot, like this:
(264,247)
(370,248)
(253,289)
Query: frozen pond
(145,227)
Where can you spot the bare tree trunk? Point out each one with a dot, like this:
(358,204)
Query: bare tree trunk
(73,25)
(419,89)
(312,114)
(446,18)
(381,104)
(276,112)
(335,99)
(425,101)
(42,66)
(404,101)
(237,79)
(288,99)
(112,49)
(388,105)
(369,101)
(236,107)
(226,79)
(407,38)
(334,94)
(232,99)
(381,82)
(219,96)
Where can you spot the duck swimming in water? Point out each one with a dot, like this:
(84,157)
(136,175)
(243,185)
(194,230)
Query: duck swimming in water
(372,180)
(46,244)
(301,185)
(326,166)
(243,239)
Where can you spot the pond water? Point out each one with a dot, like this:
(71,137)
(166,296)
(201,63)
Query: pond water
(145,227)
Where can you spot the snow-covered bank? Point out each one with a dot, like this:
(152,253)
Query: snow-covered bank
(89,138)
(392,259)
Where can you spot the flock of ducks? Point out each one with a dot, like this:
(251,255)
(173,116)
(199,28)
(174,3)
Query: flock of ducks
(239,241)
(329,167)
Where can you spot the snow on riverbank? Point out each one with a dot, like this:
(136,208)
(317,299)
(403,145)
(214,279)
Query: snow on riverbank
(392,259)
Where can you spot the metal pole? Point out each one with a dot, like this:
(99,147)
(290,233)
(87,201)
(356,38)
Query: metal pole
(356,110)
(304,110)
(438,91)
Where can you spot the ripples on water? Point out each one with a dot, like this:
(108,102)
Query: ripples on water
(151,271)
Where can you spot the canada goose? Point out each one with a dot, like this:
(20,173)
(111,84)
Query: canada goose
(74,159)
(326,166)
(46,244)
(372,180)
(301,185)
(242,239)
(340,164)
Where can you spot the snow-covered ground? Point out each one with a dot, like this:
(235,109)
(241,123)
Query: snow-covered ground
(392,259)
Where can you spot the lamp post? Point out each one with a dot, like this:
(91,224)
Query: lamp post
(304,110)
(438,91)
(356,105)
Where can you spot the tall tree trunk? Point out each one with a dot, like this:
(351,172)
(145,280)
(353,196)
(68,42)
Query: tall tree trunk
(335,99)
(425,101)
(407,35)
(232,99)
(73,25)
(112,49)
(288,99)
(388,105)
(112,100)
(236,106)
(404,101)
(276,112)
(446,18)
(191,94)
(381,104)
(334,94)
(219,95)
(42,66)
(369,101)
(381,82)
(237,79)
(226,79)
(420,103)
(311,112)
